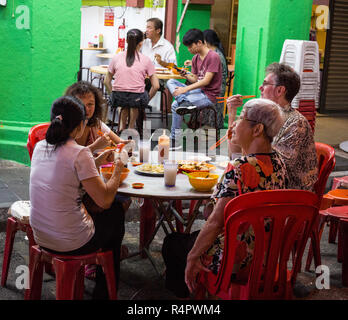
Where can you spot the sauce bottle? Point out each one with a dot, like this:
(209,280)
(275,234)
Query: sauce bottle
(101,40)
(121,153)
(163,147)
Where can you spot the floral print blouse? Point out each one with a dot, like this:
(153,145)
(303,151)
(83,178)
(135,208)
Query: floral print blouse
(295,143)
(255,172)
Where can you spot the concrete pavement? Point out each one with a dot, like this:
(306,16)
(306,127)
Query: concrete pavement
(139,281)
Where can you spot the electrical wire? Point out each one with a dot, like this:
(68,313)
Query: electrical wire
(122,5)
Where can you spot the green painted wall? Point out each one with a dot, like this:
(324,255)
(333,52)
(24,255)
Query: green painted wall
(197,16)
(37,64)
(260,37)
(117,3)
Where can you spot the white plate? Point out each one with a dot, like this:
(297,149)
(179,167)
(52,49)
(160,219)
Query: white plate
(222,164)
(199,158)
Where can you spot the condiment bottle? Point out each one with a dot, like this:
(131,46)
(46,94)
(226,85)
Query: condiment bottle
(121,153)
(101,40)
(163,147)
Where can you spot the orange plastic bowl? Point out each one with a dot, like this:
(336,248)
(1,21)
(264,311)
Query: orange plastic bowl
(107,173)
(203,181)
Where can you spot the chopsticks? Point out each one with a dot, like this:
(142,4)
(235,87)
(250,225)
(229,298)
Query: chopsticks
(224,99)
(224,138)
(242,97)
(100,133)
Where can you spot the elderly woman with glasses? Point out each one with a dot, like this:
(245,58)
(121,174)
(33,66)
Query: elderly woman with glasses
(259,168)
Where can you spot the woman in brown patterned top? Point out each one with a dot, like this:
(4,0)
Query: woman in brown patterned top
(260,168)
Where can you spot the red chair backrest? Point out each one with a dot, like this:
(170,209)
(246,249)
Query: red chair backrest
(292,212)
(326,163)
(36,134)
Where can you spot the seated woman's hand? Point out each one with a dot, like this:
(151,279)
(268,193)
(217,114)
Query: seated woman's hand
(193,267)
(234,102)
(104,158)
(118,166)
(102,142)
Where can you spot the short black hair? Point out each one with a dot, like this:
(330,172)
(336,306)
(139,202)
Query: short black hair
(158,24)
(287,77)
(192,36)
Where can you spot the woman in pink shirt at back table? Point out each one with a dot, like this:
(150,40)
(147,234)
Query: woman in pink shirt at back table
(129,69)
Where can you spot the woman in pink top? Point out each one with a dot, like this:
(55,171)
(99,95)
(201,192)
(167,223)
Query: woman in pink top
(129,70)
(59,169)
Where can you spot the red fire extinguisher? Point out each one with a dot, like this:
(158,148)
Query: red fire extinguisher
(122,36)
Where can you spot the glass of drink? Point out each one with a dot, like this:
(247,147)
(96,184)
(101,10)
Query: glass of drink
(170,171)
(144,151)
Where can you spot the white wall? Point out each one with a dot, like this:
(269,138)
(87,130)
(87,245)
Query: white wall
(92,23)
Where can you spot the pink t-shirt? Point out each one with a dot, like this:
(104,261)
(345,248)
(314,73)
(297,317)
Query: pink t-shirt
(56,217)
(211,63)
(130,79)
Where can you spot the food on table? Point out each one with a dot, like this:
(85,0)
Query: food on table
(135,164)
(107,170)
(202,181)
(151,168)
(138,185)
(191,166)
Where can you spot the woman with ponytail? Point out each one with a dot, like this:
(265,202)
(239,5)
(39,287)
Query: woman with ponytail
(60,168)
(129,70)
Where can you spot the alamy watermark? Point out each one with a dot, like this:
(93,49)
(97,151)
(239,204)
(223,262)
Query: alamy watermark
(322,21)
(321,282)
(22,17)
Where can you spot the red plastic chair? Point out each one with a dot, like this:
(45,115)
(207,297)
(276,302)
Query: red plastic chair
(292,213)
(69,273)
(20,221)
(326,163)
(36,134)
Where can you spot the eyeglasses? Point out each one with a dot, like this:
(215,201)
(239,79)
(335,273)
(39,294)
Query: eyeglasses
(265,83)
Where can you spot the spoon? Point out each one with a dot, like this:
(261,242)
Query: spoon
(187,174)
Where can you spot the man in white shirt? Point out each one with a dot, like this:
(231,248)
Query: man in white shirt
(159,50)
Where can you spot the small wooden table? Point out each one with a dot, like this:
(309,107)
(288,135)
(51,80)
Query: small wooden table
(79,76)
(105,55)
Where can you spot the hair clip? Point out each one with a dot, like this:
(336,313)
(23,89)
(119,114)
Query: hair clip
(59,117)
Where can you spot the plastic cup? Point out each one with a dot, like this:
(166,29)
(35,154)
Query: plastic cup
(144,151)
(170,170)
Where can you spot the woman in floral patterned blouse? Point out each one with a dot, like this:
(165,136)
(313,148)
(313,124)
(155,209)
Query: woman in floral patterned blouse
(260,168)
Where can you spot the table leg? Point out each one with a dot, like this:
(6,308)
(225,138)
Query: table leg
(332,230)
(179,225)
(79,75)
(344,229)
(193,216)
(340,245)
(147,224)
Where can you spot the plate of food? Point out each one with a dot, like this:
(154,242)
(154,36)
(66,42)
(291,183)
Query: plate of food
(148,169)
(195,166)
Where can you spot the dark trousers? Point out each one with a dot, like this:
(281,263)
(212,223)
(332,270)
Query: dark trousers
(109,233)
(175,249)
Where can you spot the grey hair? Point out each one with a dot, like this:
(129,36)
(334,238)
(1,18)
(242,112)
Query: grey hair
(266,112)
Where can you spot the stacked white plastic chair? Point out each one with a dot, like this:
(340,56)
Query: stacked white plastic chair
(303,57)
